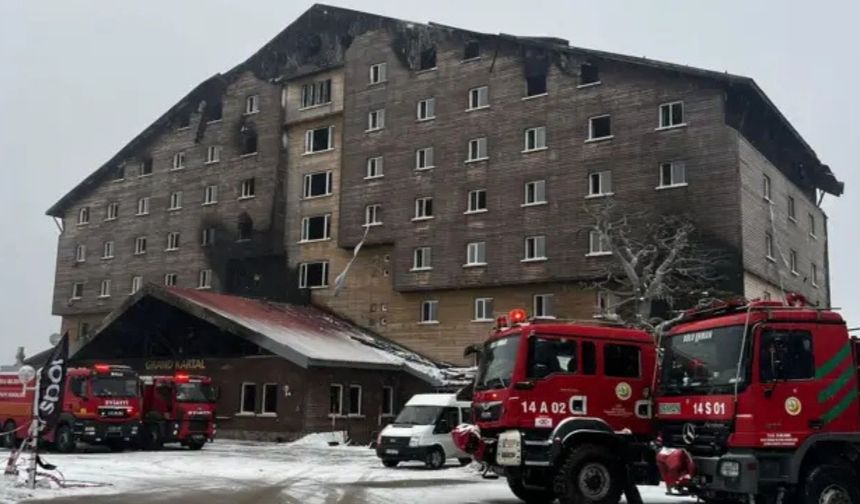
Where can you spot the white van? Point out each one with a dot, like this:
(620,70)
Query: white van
(422,431)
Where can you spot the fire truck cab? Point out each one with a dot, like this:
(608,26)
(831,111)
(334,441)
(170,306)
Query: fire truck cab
(563,410)
(177,409)
(758,400)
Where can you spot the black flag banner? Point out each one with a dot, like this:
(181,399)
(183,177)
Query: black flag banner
(52,381)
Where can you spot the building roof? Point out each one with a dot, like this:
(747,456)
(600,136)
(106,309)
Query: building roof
(289,55)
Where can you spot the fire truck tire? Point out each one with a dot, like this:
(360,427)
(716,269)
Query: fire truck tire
(590,475)
(464,461)
(116,446)
(64,439)
(435,458)
(195,445)
(10,439)
(528,495)
(830,484)
(390,462)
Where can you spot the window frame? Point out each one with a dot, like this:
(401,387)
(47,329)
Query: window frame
(136,284)
(303,275)
(419,158)
(252,104)
(591,137)
(360,410)
(104,288)
(108,246)
(671,106)
(604,178)
(77,290)
(432,316)
(793,262)
(172,241)
(378,168)
(263,410)
(423,209)
(538,242)
(210,195)
(381,73)
(538,134)
(479,142)
(171,279)
(307,184)
(80,253)
(319,89)
(305,230)
(602,249)
(175,201)
(538,188)
(544,297)
(791,208)
(769,246)
(477,200)
(375,120)
(375,209)
(429,112)
(178,161)
(387,407)
(242,411)
(207,237)
(213,154)
(474,98)
(309,140)
(671,165)
(83,216)
(248,188)
(486,309)
(339,412)
(142,206)
(767,188)
(204,279)
(112,211)
(425,254)
(474,251)
(140,245)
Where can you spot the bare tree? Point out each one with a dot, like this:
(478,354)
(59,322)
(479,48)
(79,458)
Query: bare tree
(653,258)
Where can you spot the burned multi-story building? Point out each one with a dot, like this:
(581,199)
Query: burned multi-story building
(462,164)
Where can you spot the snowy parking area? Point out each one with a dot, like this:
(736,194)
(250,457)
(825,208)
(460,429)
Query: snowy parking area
(262,473)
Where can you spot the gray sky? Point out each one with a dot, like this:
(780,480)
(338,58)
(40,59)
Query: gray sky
(79,79)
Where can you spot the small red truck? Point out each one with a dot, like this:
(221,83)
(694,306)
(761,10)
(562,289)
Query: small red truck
(563,410)
(757,401)
(101,405)
(177,409)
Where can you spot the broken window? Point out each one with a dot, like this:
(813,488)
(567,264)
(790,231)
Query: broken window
(317,184)
(316,228)
(247,189)
(146,167)
(320,139)
(599,127)
(472,50)
(313,275)
(428,59)
(536,85)
(316,93)
(588,74)
(246,227)
(214,111)
(249,140)
(119,173)
(671,114)
(621,361)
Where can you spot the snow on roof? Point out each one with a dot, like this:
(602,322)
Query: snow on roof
(432,400)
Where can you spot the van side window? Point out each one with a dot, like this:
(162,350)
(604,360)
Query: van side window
(621,361)
(589,358)
(451,416)
(786,355)
(551,355)
(467,415)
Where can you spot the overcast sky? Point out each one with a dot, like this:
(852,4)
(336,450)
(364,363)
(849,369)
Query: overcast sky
(79,79)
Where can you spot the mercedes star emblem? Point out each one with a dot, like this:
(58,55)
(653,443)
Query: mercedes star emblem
(688,433)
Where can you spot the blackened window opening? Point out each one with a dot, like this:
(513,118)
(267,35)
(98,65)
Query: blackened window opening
(588,74)
(320,140)
(249,140)
(428,59)
(472,50)
(214,111)
(536,85)
(246,227)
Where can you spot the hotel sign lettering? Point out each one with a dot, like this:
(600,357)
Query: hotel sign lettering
(170,365)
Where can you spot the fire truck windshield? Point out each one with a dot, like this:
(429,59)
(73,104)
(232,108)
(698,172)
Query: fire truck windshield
(705,362)
(195,393)
(496,365)
(111,386)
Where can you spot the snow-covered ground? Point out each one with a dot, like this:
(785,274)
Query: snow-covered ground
(260,473)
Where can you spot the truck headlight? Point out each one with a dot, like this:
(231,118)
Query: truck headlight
(413,442)
(730,469)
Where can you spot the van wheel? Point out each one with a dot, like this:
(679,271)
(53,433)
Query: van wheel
(64,439)
(10,439)
(528,495)
(831,484)
(465,461)
(435,458)
(390,462)
(590,475)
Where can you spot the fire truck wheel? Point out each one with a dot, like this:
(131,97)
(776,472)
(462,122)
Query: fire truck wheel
(195,444)
(116,446)
(590,475)
(10,439)
(831,484)
(64,439)
(435,458)
(465,461)
(528,495)
(390,462)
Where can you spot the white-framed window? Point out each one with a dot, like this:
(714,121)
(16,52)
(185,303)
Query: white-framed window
(136,284)
(316,228)
(175,200)
(768,246)
(335,394)
(598,244)
(104,289)
(600,127)
(600,184)
(81,253)
(355,408)
(248,398)
(317,184)
(387,400)
(766,188)
(252,104)
(792,261)
(479,98)
(170,279)
(812,227)
(210,195)
(374,167)
(143,206)
(423,208)
(603,303)
(422,259)
(319,140)
(140,245)
(112,211)
(542,306)
(535,193)
(373,215)
(477,149)
(426,109)
(207,237)
(247,189)
(376,120)
(316,93)
(792,209)
(145,168)
(204,279)
(173,240)
(535,139)
(179,161)
(213,154)
(483,310)
(107,250)
(813,269)
(313,275)
(429,312)
(671,115)
(269,405)
(83,216)
(424,158)
(534,248)
(672,174)
(477,201)
(476,254)
(77,290)
(378,73)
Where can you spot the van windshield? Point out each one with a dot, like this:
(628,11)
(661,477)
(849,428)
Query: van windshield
(496,365)
(418,415)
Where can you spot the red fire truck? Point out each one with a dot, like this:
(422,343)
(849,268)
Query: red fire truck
(177,409)
(101,405)
(563,410)
(758,401)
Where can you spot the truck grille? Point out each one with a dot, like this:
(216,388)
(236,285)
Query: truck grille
(197,425)
(487,412)
(699,438)
(395,442)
